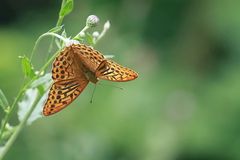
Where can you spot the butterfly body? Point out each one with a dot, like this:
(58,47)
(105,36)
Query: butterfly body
(89,75)
(74,68)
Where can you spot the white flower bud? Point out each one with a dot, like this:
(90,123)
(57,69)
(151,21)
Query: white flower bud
(95,34)
(92,21)
(107,25)
(82,34)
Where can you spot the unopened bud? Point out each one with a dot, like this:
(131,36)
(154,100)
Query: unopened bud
(107,25)
(82,34)
(95,34)
(92,21)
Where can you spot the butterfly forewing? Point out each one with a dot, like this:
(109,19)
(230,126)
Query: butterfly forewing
(94,61)
(110,70)
(69,82)
(90,57)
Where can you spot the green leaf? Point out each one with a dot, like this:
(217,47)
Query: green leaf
(27,67)
(31,94)
(3,101)
(61,44)
(64,34)
(27,101)
(56,29)
(41,89)
(78,38)
(66,8)
(41,83)
(89,39)
(8,131)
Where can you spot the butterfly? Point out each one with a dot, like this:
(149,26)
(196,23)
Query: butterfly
(74,68)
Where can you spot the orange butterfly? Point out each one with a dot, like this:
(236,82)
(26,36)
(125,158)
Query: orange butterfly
(76,65)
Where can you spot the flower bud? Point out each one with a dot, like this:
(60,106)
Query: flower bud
(95,34)
(82,34)
(107,25)
(92,21)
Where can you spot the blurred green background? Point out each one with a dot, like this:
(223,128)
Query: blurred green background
(185,104)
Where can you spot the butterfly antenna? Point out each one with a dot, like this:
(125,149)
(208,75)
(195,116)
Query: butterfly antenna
(91,101)
(111,86)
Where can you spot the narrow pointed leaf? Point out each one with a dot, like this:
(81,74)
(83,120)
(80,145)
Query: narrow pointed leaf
(3,101)
(66,8)
(56,29)
(64,34)
(89,39)
(27,67)
(40,85)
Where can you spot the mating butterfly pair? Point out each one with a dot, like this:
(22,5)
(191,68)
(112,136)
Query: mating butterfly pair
(76,65)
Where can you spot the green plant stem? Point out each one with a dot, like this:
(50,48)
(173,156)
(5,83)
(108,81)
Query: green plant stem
(22,90)
(12,139)
(59,23)
(100,36)
(60,18)
(82,31)
(41,37)
(12,108)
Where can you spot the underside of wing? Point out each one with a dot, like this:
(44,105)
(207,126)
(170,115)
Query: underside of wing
(69,82)
(90,57)
(64,66)
(110,70)
(62,93)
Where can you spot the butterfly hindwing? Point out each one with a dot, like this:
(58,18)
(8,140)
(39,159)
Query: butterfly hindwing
(62,93)
(110,70)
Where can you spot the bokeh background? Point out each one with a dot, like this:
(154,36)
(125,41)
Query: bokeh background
(185,105)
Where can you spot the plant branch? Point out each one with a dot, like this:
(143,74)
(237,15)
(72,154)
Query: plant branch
(41,37)
(12,139)
(22,90)
(59,23)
